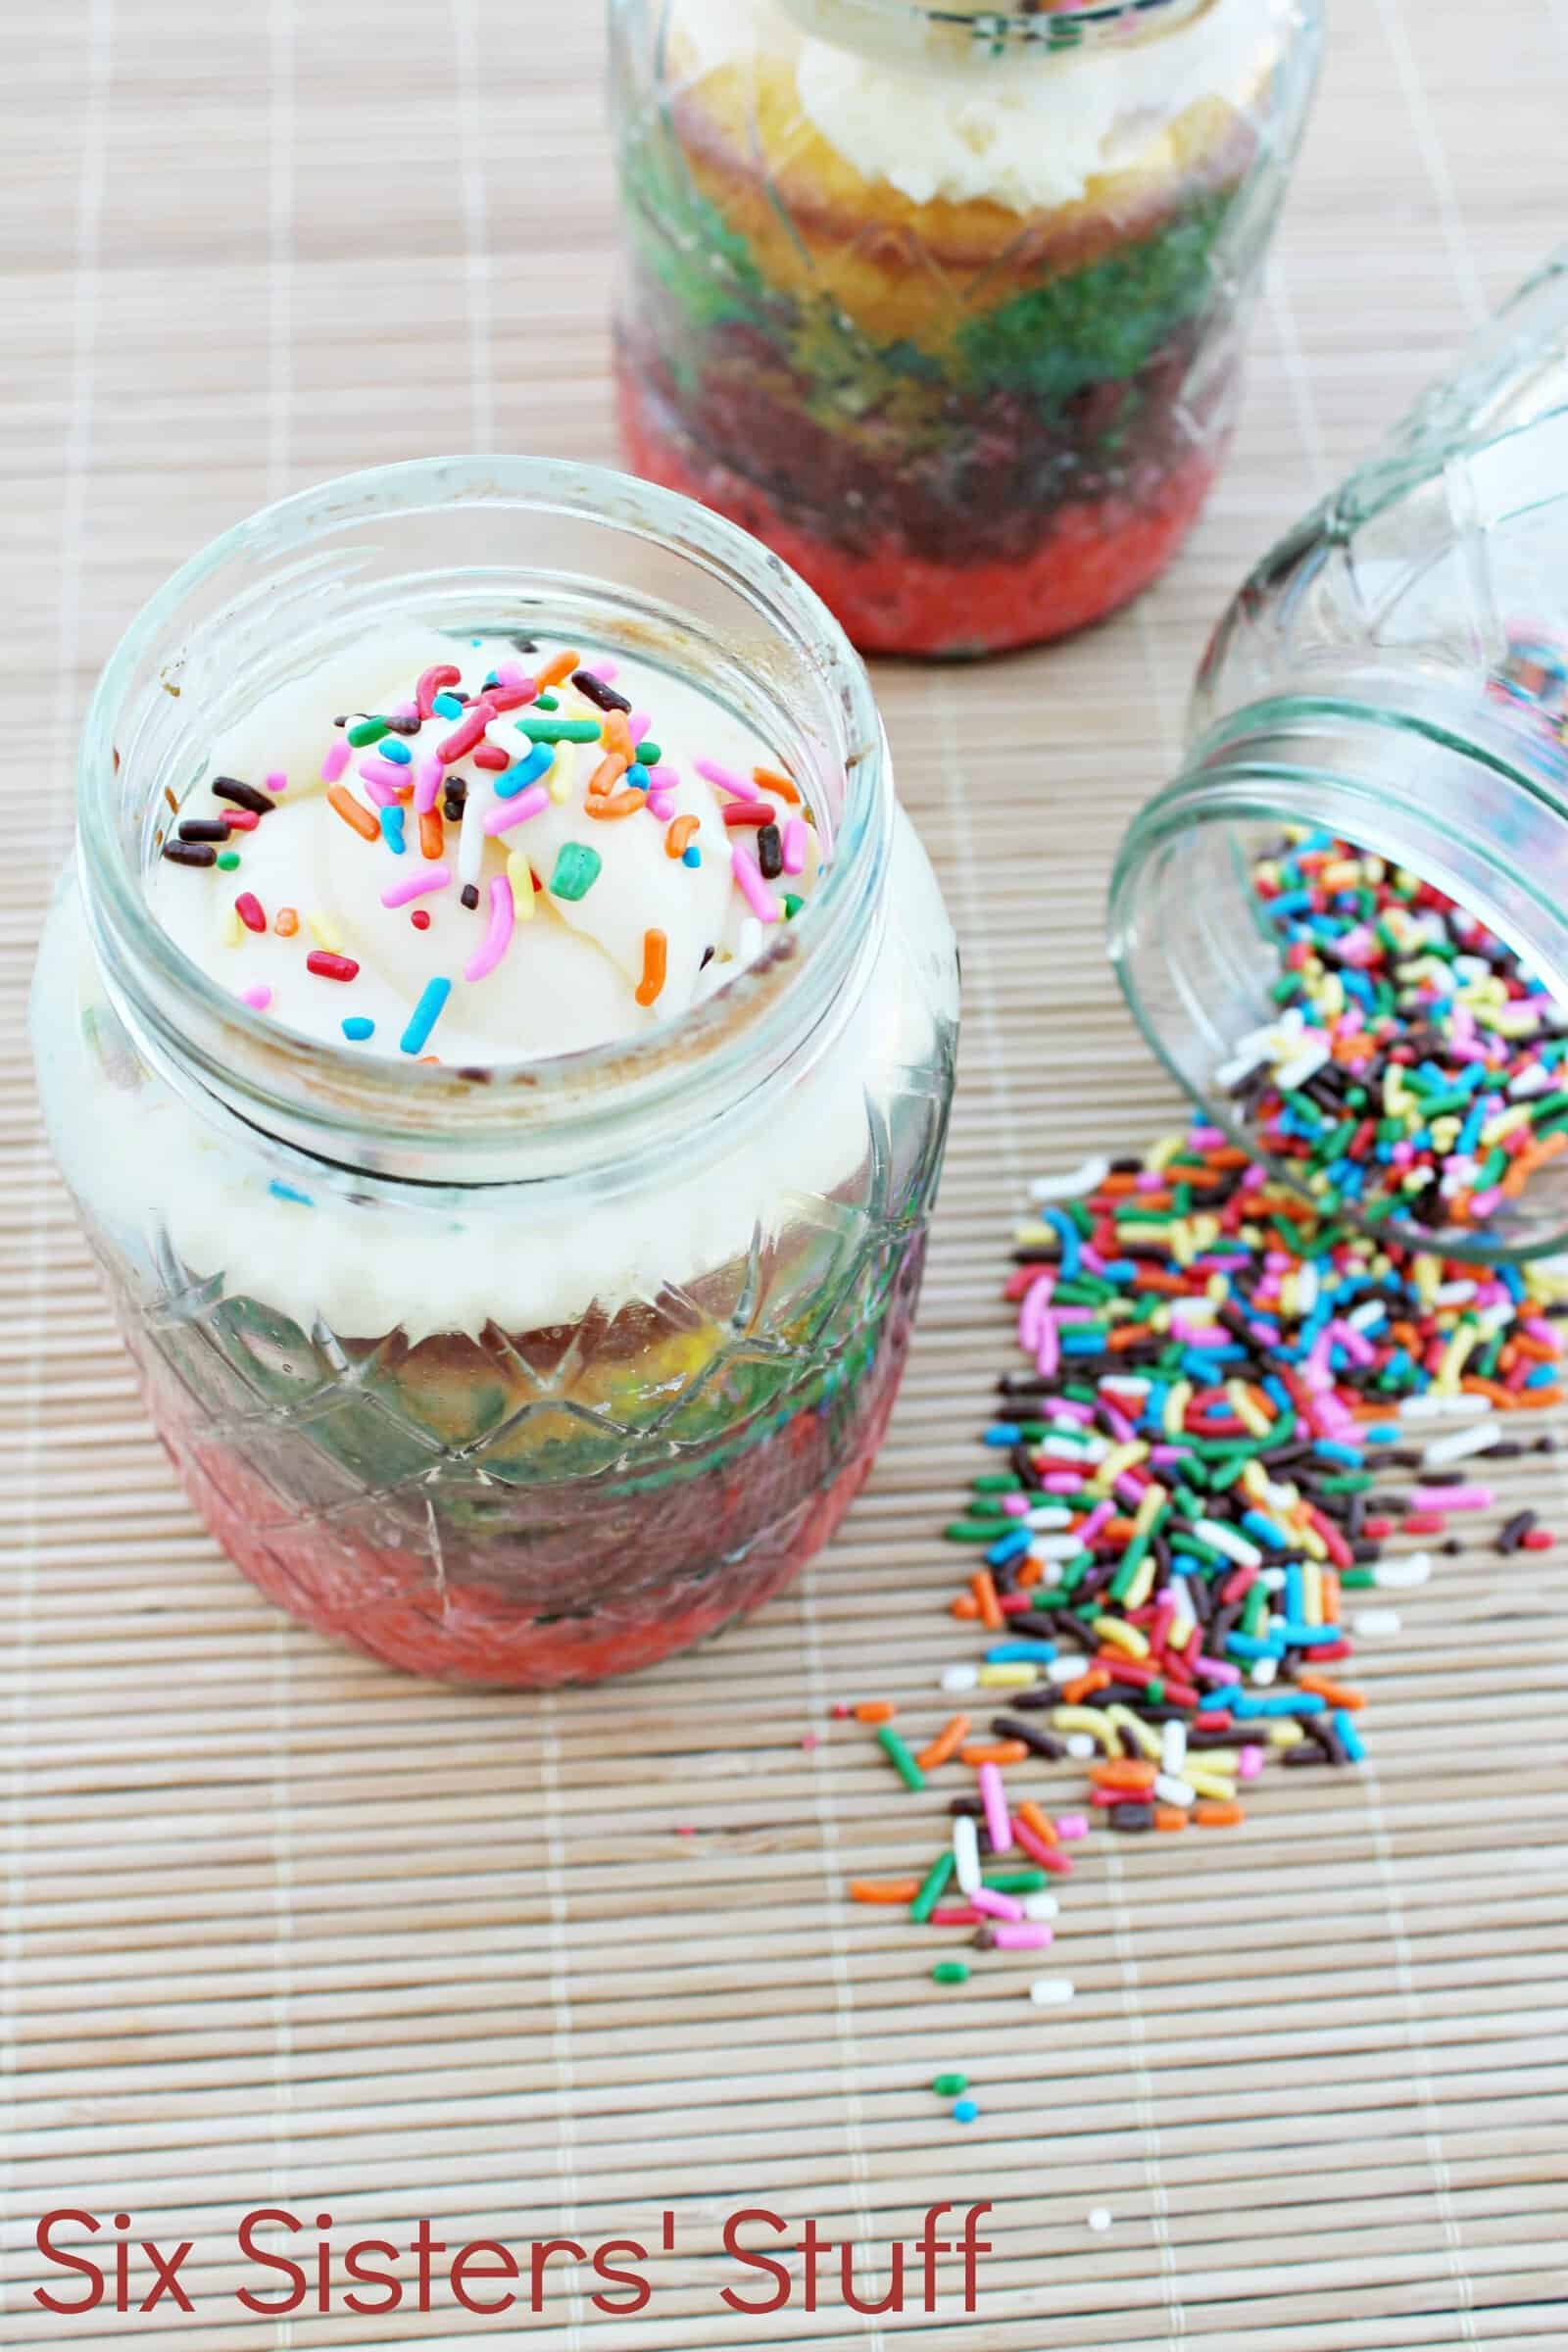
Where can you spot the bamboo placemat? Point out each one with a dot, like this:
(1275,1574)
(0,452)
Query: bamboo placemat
(281,1928)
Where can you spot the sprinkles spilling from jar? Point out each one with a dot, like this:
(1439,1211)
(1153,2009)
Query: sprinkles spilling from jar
(1414,1070)
(1241,1429)
(392,778)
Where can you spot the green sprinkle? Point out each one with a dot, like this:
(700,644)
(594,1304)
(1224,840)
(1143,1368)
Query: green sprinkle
(559,730)
(932,1887)
(950,1972)
(898,1756)
(649,753)
(368,731)
(1014,1881)
(228,860)
(792,906)
(949,2086)
(547,702)
(966,1531)
(577,870)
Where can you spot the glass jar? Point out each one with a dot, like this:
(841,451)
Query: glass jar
(948,306)
(539,1372)
(1393,675)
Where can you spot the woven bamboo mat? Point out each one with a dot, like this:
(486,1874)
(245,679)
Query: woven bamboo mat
(280,1928)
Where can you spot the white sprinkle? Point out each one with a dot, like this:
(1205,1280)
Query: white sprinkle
(1173,1746)
(1372,1625)
(967,1853)
(1042,1904)
(1069,1184)
(1402,1575)
(1226,1540)
(1050,1992)
(1066,1669)
(1437,1405)
(1172,1791)
(1080,1746)
(961,1677)
(1263,1672)
(1474,1437)
(1099,2218)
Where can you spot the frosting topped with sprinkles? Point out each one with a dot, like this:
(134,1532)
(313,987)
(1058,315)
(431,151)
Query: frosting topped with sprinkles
(482,850)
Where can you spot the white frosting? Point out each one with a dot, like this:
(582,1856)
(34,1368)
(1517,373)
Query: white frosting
(1028,130)
(148,1164)
(568,977)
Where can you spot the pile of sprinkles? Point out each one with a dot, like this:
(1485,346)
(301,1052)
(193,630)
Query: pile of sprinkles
(1414,1068)
(395,778)
(1239,1428)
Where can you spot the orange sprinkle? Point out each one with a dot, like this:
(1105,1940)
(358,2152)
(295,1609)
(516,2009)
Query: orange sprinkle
(1210,1816)
(1044,1828)
(948,1742)
(884,1890)
(1335,1692)
(679,834)
(607,773)
(964,1606)
(985,1594)
(432,834)
(353,811)
(1074,1694)
(655,954)
(616,734)
(1331,1595)
(1125,1771)
(875,1710)
(614,804)
(285,922)
(994,1751)
(1169,1817)
(771,780)
(1031,1572)
(558,666)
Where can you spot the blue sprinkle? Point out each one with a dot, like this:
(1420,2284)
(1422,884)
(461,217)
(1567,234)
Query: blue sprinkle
(424,1015)
(1245,1703)
(965,2111)
(538,762)
(447,705)
(1245,1647)
(1329,1450)
(1071,1240)
(1349,1738)
(358,1026)
(392,830)
(1019,1653)
(636,777)
(287,1192)
(691,856)
(1381,1432)
(393,747)
(1004,1433)
(1008,1547)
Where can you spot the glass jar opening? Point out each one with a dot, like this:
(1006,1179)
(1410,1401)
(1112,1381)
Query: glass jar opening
(513,546)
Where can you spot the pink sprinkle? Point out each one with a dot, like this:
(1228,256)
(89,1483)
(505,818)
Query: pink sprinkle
(1047,1350)
(1061,1482)
(383,781)
(241,820)
(257,998)
(809,1739)
(1016,1507)
(426,784)
(1452,1498)
(276,780)
(1072,1825)
(999,1907)
(510,673)
(498,937)
(638,723)
(662,804)
(335,761)
(795,845)
(606,671)
(999,1827)
(1022,1935)
(663,777)
(685,1828)
(507,814)
(414,886)
(1096,1521)
(727,782)
(1249,1763)
(749,876)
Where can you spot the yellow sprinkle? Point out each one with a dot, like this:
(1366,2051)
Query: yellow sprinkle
(1166,1149)
(1426,1273)
(1142,1735)
(1311,1593)
(1176,1403)
(1008,1678)
(1130,1639)
(1118,1459)
(1207,1781)
(1453,1358)
(1183,1241)
(325,933)
(561,775)
(233,929)
(1092,1720)
(1505,1123)
(520,873)
(1141,1586)
(1282,1732)
(1148,1509)
(1247,1409)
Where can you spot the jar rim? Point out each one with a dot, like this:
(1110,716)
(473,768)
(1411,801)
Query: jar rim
(406,1105)
(1068,27)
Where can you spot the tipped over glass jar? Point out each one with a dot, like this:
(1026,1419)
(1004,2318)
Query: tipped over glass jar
(948,305)
(499,1031)
(1344,925)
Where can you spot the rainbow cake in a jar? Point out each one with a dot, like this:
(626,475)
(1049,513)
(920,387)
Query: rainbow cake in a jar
(945,307)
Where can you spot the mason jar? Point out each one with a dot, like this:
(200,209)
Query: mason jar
(534,1372)
(948,306)
(1394,677)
